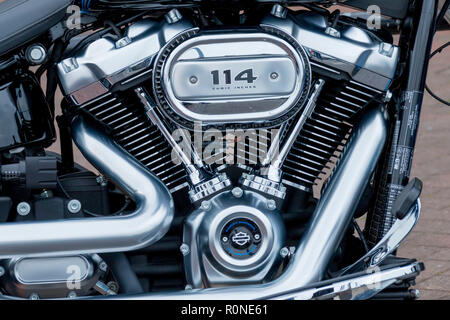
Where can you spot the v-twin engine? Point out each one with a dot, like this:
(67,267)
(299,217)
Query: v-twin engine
(248,149)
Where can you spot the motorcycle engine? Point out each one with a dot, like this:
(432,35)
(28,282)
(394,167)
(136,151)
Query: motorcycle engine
(242,78)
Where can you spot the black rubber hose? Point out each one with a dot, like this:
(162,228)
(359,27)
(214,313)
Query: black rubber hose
(123,272)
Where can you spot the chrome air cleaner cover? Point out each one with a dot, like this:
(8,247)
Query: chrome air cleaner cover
(259,76)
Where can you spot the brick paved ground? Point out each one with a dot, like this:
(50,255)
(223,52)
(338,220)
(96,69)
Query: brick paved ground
(430,240)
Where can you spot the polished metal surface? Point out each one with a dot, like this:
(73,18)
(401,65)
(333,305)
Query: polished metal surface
(360,287)
(209,264)
(261,184)
(398,232)
(185,158)
(51,277)
(209,187)
(107,60)
(273,171)
(328,223)
(201,187)
(231,76)
(356,51)
(146,225)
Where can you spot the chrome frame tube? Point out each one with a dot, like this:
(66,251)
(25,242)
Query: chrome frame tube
(328,224)
(146,225)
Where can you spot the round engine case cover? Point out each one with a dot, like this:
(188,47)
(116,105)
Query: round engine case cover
(252,76)
(236,241)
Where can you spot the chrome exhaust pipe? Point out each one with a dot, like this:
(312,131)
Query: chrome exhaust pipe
(146,225)
(328,224)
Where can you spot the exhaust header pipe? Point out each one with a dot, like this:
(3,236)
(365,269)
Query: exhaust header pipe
(149,223)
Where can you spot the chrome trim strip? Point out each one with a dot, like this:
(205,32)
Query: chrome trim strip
(360,287)
(146,225)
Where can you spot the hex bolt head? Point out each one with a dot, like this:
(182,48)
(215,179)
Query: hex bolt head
(257,236)
(113,286)
(184,249)
(34,296)
(74,206)
(2,271)
(173,16)
(36,54)
(224,239)
(206,205)
(23,209)
(284,252)
(274,76)
(101,180)
(237,192)
(46,194)
(279,11)
(271,204)
(103,266)
(415,293)
(377,258)
(72,295)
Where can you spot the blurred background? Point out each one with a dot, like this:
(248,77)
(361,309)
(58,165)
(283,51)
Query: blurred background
(430,240)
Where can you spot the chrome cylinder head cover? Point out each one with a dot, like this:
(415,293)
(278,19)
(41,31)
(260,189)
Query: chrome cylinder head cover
(234,239)
(222,77)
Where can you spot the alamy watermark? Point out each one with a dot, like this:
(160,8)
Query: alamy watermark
(231,146)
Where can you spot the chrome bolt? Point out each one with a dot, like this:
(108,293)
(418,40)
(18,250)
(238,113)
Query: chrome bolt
(46,194)
(2,271)
(415,293)
(188,287)
(36,54)
(193,79)
(34,296)
(279,11)
(274,76)
(184,249)
(284,252)
(237,192)
(257,237)
(72,295)
(101,180)
(103,266)
(23,209)
(271,204)
(225,239)
(206,205)
(113,286)
(74,206)
(388,96)
(377,258)
(173,16)
(123,42)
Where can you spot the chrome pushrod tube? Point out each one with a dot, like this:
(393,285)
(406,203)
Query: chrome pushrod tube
(328,224)
(147,224)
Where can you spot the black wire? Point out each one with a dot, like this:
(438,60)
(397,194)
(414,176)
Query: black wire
(68,196)
(99,34)
(361,235)
(439,50)
(439,20)
(441,15)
